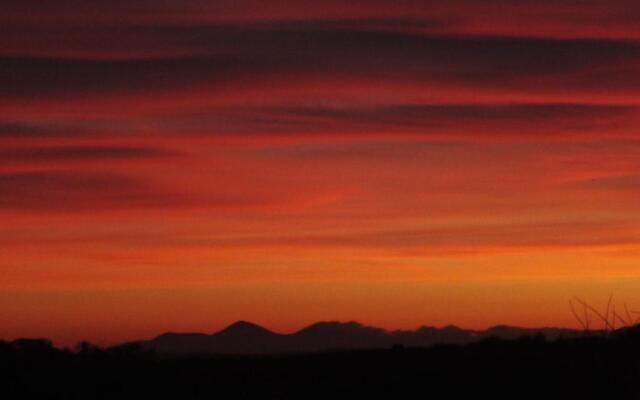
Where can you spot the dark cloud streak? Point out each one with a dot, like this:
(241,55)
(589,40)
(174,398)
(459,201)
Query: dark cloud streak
(527,120)
(82,153)
(32,130)
(236,57)
(67,190)
(456,120)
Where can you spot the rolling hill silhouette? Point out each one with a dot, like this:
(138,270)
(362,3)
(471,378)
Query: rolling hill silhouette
(598,365)
(247,338)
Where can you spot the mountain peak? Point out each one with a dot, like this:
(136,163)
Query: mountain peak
(243,337)
(333,328)
(335,323)
(244,328)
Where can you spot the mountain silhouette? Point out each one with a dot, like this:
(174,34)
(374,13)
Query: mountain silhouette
(596,365)
(339,335)
(245,329)
(244,337)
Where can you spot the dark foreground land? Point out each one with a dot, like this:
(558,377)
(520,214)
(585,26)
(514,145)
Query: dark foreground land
(530,368)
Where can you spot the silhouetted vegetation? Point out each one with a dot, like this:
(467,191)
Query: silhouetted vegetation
(609,317)
(530,367)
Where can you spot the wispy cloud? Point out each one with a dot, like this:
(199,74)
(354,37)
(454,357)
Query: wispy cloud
(82,152)
(79,191)
(244,59)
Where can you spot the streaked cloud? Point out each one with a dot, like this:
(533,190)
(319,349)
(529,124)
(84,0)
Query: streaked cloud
(78,191)
(182,143)
(249,59)
(86,153)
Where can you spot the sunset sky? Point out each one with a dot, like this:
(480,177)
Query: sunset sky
(176,165)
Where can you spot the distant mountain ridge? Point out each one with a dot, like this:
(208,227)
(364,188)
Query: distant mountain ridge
(244,337)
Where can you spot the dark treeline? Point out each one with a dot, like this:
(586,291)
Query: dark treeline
(530,367)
